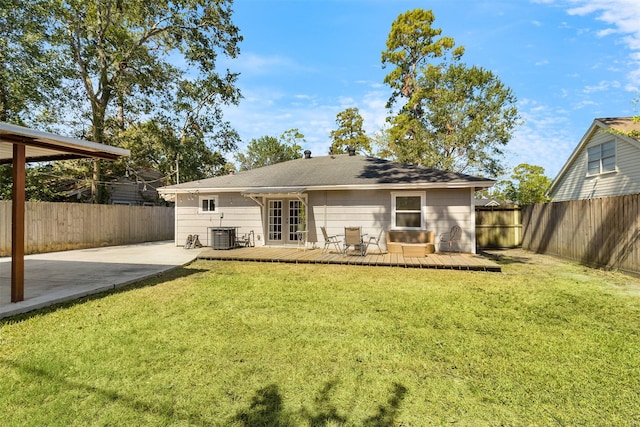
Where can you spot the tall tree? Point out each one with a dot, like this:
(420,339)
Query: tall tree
(528,185)
(125,58)
(455,117)
(30,73)
(268,150)
(350,133)
(413,44)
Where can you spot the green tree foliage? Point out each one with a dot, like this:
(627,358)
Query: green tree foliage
(350,133)
(155,59)
(179,157)
(454,117)
(124,57)
(528,185)
(30,73)
(411,45)
(43,182)
(268,150)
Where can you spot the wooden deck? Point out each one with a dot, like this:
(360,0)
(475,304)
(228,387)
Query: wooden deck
(316,256)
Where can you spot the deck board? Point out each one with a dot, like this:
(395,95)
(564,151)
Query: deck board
(454,261)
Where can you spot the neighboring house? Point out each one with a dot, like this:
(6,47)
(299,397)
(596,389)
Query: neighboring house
(488,203)
(330,191)
(605,163)
(137,188)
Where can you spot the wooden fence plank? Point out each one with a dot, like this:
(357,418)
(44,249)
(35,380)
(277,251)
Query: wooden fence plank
(62,226)
(498,227)
(601,232)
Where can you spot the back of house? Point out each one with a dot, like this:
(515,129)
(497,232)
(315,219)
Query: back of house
(289,201)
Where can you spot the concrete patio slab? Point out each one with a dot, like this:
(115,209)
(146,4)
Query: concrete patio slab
(56,277)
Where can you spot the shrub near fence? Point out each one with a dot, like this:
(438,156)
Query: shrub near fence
(600,232)
(61,226)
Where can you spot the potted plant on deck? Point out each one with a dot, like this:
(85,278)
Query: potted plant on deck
(302,218)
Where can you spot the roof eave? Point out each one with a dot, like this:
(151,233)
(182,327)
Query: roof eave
(295,189)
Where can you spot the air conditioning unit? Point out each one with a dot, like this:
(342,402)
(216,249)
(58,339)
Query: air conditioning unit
(223,238)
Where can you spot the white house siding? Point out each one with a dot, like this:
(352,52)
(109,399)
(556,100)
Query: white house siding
(448,207)
(335,210)
(371,210)
(238,212)
(576,185)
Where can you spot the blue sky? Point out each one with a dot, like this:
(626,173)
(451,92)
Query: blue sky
(567,61)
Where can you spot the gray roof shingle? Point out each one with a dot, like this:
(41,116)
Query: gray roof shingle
(329,171)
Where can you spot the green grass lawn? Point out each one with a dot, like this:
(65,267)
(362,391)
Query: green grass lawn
(249,344)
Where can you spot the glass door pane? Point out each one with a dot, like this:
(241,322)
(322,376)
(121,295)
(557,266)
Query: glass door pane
(294,219)
(275,220)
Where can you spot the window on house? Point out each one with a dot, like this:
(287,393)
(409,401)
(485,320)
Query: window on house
(601,158)
(407,210)
(208,204)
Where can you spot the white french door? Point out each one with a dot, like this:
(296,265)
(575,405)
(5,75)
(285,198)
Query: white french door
(283,217)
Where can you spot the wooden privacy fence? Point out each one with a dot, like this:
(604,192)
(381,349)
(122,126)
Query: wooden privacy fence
(62,226)
(600,232)
(498,227)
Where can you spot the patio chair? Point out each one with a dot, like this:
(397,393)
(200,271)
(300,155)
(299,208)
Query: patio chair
(353,237)
(452,237)
(330,240)
(246,240)
(373,240)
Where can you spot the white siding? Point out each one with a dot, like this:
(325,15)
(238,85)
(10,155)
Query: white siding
(238,212)
(338,209)
(576,184)
(369,209)
(446,208)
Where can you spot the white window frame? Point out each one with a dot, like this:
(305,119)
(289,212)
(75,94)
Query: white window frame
(395,194)
(600,159)
(207,198)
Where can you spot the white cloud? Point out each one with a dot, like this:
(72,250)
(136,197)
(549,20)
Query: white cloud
(543,140)
(265,111)
(602,86)
(624,18)
(252,64)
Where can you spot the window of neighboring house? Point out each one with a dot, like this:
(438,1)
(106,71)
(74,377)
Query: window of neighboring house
(601,158)
(208,204)
(406,210)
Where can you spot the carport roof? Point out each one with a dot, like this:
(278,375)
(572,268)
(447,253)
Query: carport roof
(43,146)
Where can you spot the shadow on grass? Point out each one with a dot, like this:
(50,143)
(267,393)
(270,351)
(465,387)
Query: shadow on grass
(110,396)
(167,276)
(267,409)
(505,258)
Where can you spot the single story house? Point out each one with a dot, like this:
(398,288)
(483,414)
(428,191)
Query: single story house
(605,163)
(328,191)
